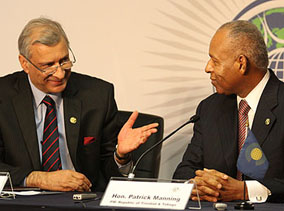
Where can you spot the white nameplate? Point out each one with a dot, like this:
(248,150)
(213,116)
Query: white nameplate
(3,180)
(141,194)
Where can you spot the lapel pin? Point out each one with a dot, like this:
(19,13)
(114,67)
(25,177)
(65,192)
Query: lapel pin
(267,121)
(73,120)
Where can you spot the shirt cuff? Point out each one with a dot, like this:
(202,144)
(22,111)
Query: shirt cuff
(125,168)
(257,193)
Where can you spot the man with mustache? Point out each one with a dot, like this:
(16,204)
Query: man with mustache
(58,128)
(238,71)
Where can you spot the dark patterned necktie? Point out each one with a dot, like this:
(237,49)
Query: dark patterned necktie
(243,124)
(50,143)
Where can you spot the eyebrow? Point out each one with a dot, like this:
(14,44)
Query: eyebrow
(52,62)
(213,57)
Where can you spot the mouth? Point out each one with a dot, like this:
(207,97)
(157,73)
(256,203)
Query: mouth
(55,82)
(213,81)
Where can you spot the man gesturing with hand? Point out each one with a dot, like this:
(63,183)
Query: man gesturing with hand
(59,128)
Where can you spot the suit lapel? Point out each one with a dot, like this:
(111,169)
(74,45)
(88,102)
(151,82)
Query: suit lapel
(227,125)
(23,104)
(264,117)
(72,114)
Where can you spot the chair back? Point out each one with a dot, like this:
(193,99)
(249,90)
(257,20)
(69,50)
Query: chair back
(149,165)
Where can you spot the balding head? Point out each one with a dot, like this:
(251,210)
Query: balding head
(247,40)
(238,58)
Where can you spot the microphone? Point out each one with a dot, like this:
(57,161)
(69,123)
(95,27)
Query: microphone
(193,119)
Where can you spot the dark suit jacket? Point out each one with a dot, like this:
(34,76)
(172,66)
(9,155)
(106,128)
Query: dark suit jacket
(215,141)
(88,99)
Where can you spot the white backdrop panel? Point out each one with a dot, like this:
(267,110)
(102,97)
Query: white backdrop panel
(154,51)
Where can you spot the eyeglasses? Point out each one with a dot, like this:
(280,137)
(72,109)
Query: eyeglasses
(65,65)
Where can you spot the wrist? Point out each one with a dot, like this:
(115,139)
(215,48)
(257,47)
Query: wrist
(242,192)
(121,157)
(32,179)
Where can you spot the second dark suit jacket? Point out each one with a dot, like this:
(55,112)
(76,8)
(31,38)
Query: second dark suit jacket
(215,141)
(88,99)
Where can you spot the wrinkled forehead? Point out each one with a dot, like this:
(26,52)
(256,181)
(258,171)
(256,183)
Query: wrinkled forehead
(41,39)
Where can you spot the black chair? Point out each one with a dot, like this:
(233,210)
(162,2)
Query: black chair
(149,165)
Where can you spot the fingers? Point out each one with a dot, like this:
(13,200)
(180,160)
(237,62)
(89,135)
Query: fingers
(213,186)
(205,198)
(131,120)
(205,191)
(76,185)
(209,191)
(81,182)
(209,179)
(63,180)
(82,177)
(217,173)
(150,126)
(204,188)
(147,130)
(130,138)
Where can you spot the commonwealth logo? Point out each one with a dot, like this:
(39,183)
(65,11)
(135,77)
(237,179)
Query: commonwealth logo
(270,22)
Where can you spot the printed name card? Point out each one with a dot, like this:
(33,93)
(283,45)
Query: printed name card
(144,194)
(3,180)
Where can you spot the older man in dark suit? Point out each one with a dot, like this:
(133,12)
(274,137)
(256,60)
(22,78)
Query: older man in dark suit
(58,129)
(238,70)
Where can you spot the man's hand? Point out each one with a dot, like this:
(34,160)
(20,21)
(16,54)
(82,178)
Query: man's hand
(232,189)
(130,139)
(208,186)
(63,180)
(216,186)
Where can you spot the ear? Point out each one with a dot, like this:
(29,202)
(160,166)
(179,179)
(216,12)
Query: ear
(243,64)
(24,63)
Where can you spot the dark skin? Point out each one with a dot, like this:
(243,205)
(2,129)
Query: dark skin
(215,186)
(231,72)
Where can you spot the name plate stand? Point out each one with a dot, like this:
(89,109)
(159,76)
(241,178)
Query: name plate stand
(148,193)
(4,177)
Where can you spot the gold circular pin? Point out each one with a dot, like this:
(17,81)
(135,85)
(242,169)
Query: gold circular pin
(73,120)
(267,121)
(256,154)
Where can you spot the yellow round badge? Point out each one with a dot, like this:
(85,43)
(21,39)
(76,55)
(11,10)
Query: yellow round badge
(73,120)
(256,154)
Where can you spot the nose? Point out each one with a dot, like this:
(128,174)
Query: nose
(209,67)
(60,73)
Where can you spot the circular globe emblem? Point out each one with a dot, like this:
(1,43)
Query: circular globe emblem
(256,154)
(268,17)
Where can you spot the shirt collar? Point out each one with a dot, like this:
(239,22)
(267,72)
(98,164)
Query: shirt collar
(39,95)
(254,96)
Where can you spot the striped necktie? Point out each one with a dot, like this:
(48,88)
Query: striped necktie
(243,124)
(50,144)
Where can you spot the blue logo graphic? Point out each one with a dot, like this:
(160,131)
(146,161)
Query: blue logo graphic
(270,23)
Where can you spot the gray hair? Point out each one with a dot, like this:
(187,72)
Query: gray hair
(40,30)
(246,39)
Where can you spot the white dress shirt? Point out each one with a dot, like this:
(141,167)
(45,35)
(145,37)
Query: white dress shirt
(39,111)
